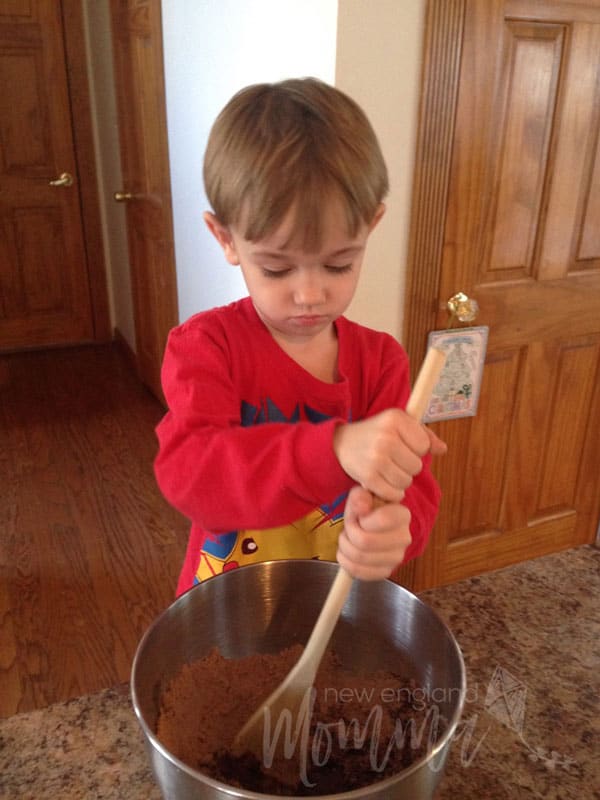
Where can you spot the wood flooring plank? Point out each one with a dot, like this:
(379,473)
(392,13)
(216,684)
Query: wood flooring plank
(9,668)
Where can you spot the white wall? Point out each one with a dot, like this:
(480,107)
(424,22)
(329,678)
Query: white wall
(213,48)
(379,47)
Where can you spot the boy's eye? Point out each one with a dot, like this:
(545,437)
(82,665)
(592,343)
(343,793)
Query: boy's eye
(275,273)
(338,268)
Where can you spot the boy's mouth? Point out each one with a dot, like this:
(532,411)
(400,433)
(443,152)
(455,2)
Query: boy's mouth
(309,319)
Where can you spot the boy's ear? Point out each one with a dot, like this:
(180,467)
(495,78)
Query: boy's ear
(378,215)
(223,236)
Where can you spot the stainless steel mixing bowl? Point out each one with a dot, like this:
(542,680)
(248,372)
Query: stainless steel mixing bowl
(263,608)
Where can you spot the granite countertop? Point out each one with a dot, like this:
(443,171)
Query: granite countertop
(530,636)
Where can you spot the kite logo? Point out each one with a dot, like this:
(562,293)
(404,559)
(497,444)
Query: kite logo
(505,701)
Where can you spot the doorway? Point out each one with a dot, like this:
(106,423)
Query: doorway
(54,288)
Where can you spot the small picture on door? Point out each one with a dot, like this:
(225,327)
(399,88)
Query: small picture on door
(456,394)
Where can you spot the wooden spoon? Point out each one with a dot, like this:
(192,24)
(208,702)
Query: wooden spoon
(291,694)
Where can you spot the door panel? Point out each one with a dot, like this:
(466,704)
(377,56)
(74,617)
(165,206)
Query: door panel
(576,133)
(138,58)
(44,286)
(519,233)
(527,98)
(487,446)
(588,248)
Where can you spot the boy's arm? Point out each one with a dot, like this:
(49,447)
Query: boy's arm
(423,496)
(214,470)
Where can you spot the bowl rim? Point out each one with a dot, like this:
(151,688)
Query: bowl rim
(246,794)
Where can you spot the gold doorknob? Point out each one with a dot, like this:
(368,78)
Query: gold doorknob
(123,197)
(462,307)
(64,179)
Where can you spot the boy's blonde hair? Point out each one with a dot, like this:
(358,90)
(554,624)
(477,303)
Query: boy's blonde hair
(292,145)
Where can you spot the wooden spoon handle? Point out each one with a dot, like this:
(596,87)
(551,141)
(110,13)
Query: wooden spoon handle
(425,384)
(321,633)
(416,407)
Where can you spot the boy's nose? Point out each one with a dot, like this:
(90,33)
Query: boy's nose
(309,291)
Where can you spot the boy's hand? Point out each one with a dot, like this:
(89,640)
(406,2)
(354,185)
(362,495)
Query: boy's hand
(375,537)
(383,453)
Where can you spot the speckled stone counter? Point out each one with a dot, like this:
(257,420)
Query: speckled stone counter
(530,635)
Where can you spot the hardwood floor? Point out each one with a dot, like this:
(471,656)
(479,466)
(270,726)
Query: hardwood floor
(89,549)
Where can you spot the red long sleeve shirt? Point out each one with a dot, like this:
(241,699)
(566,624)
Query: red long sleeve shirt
(246,447)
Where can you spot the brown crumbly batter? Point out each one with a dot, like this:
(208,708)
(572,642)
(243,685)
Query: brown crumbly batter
(363,727)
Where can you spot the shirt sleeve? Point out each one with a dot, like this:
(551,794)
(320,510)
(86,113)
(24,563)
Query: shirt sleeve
(423,496)
(222,475)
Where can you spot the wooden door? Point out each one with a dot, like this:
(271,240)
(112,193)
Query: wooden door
(507,209)
(44,280)
(139,79)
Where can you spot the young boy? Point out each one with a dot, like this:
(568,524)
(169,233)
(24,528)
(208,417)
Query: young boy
(285,418)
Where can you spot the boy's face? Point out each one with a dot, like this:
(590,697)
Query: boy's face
(298,295)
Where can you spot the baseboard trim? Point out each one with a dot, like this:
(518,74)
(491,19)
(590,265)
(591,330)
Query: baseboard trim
(126,350)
